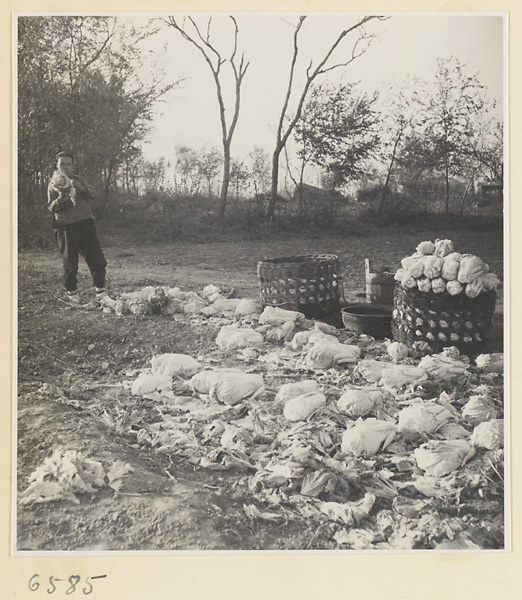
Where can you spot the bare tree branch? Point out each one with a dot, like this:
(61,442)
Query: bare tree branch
(339,39)
(98,53)
(288,169)
(181,29)
(291,78)
(355,54)
(206,41)
(72,51)
(320,69)
(311,74)
(235,39)
(76,66)
(209,51)
(238,75)
(208,30)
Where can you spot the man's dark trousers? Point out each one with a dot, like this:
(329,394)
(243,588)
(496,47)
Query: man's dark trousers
(80,239)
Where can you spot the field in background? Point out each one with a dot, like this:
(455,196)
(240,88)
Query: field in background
(164,218)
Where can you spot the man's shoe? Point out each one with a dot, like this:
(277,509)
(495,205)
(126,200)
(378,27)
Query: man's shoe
(100,294)
(73,298)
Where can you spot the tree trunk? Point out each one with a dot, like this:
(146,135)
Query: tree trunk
(274,184)
(300,193)
(385,189)
(225,182)
(465,194)
(127,181)
(388,176)
(332,203)
(107,185)
(407,188)
(447,190)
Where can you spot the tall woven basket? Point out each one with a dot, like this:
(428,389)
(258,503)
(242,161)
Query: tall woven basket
(310,284)
(441,319)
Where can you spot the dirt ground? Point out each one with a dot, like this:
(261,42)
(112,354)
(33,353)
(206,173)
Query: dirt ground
(167,502)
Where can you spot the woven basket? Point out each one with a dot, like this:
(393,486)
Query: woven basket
(309,284)
(441,319)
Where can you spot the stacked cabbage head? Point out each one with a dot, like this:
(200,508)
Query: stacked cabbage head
(436,267)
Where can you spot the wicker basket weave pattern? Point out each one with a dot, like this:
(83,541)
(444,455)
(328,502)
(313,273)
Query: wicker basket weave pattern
(310,284)
(441,319)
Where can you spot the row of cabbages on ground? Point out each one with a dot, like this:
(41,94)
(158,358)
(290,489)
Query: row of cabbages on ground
(436,267)
(383,408)
(210,301)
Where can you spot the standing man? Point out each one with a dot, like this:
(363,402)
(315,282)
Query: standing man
(69,199)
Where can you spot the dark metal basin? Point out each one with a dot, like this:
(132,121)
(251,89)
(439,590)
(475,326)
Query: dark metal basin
(371,319)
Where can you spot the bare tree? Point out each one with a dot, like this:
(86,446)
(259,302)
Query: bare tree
(487,148)
(239,175)
(215,61)
(305,154)
(453,114)
(209,163)
(187,174)
(398,118)
(259,163)
(286,126)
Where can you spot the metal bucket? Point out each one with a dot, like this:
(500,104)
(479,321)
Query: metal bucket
(380,284)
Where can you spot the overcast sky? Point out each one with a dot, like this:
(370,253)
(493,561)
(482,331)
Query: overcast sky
(405,45)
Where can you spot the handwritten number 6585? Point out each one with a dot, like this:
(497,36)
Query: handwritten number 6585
(73,580)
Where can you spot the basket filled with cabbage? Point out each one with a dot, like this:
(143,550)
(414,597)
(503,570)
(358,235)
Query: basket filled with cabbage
(444,298)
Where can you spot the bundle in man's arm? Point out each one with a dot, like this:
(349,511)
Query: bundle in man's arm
(58,200)
(61,184)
